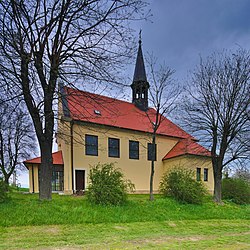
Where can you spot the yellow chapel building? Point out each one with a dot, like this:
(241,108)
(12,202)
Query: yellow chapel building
(94,128)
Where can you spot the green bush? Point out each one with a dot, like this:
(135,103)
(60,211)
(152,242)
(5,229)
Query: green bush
(107,185)
(3,191)
(180,184)
(236,189)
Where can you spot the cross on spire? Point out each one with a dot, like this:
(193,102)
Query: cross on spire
(140,72)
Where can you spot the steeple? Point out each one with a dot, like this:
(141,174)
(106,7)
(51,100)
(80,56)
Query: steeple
(140,84)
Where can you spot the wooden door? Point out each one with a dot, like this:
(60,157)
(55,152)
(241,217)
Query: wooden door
(80,180)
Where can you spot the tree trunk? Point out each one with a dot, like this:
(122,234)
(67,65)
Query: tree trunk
(45,172)
(6,179)
(217,186)
(153,154)
(152,180)
(14,179)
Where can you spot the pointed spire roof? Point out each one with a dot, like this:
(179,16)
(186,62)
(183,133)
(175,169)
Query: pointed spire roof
(140,72)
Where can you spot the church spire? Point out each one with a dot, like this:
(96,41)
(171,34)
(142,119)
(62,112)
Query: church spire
(140,84)
(140,72)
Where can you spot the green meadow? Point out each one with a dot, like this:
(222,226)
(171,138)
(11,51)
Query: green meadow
(70,222)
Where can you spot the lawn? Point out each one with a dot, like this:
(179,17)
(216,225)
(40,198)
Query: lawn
(71,222)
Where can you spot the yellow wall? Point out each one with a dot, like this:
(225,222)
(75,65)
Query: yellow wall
(35,169)
(192,162)
(63,141)
(138,171)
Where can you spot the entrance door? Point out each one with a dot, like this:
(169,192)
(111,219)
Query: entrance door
(80,180)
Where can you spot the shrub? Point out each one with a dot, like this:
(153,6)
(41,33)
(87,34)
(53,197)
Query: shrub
(3,191)
(236,189)
(107,185)
(181,185)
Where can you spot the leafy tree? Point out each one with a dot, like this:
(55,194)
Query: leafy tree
(217,109)
(236,190)
(43,41)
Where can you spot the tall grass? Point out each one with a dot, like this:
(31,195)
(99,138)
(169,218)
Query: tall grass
(26,209)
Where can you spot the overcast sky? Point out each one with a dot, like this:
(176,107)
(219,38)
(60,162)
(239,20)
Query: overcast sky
(183,30)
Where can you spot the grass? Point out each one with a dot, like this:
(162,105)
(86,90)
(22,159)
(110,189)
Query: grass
(67,221)
(27,210)
(145,235)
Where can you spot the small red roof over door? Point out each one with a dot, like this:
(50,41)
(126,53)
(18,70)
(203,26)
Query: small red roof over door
(57,159)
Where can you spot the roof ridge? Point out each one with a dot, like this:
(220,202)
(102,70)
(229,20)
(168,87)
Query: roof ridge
(90,93)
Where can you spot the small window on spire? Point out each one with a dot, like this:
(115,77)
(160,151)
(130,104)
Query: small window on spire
(137,95)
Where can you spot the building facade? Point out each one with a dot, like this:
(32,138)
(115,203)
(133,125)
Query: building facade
(94,128)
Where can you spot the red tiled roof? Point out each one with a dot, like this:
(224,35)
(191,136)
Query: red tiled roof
(57,159)
(84,106)
(187,146)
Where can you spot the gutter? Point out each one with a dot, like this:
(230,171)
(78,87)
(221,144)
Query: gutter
(129,129)
(72,152)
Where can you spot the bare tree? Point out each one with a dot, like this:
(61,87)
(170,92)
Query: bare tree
(76,41)
(163,93)
(16,143)
(242,173)
(218,109)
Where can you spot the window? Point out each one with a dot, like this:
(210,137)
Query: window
(97,112)
(205,174)
(133,150)
(152,152)
(91,145)
(198,174)
(114,147)
(57,179)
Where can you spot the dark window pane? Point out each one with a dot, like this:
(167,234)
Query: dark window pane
(198,174)
(133,150)
(114,147)
(205,174)
(152,152)
(91,145)
(57,181)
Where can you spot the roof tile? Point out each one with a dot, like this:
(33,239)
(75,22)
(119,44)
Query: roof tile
(117,113)
(187,146)
(57,159)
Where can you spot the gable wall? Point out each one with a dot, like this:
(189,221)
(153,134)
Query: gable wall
(192,162)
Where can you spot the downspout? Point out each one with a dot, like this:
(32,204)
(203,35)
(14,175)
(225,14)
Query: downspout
(33,185)
(72,152)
